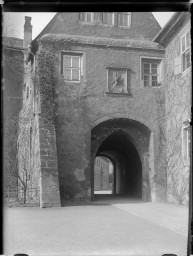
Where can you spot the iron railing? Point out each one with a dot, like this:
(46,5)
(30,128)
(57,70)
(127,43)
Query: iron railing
(20,196)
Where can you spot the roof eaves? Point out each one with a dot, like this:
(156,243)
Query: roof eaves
(46,27)
(169,25)
(102,42)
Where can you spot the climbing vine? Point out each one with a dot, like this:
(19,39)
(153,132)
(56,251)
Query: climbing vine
(45,78)
(46,83)
(170,116)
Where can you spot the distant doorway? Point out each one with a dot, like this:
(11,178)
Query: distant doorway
(103,176)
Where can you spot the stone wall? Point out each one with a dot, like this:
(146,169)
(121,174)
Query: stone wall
(27,179)
(12,81)
(37,146)
(49,165)
(178,109)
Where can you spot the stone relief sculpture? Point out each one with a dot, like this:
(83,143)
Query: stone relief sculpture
(118,82)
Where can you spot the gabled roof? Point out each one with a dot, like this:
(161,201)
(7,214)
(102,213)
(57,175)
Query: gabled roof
(49,26)
(44,31)
(172,27)
(12,42)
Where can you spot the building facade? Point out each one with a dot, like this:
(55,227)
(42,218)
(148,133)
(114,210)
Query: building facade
(175,37)
(101,174)
(98,87)
(13,72)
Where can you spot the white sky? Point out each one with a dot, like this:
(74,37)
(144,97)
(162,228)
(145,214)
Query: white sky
(13,22)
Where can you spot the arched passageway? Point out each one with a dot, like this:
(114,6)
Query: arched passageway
(125,143)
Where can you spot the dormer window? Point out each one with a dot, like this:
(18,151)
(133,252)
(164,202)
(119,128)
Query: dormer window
(87,17)
(124,19)
(108,18)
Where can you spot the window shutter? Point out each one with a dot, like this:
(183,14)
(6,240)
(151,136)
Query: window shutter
(142,72)
(95,16)
(177,47)
(101,16)
(61,63)
(105,20)
(177,65)
(159,71)
(115,19)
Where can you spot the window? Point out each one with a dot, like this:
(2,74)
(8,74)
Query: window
(87,17)
(151,72)
(108,18)
(186,143)
(185,47)
(71,67)
(124,19)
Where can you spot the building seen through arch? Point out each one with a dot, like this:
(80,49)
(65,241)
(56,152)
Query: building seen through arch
(103,171)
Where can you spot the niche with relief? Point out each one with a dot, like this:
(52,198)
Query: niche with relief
(118,80)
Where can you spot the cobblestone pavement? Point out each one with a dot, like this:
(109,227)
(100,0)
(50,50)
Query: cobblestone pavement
(105,227)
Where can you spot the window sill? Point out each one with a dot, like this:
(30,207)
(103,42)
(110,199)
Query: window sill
(152,87)
(107,25)
(124,27)
(71,82)
(114,94)
(87,23)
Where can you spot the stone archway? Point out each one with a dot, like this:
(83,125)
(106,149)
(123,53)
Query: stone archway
(127,143)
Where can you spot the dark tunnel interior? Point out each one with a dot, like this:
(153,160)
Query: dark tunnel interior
(127,161)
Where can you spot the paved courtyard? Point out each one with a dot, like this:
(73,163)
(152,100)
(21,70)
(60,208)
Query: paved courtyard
(105,227)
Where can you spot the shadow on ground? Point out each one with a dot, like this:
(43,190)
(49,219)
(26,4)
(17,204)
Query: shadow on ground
(102,200)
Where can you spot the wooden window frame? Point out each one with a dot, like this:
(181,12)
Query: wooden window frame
(150,75)
(186,142)
(113,18)
(72,55)
(186,51)
(84,17)
(124,14)
(159,75)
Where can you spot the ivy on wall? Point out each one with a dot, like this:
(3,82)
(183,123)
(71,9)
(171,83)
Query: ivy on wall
(46,84)
(45,78)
